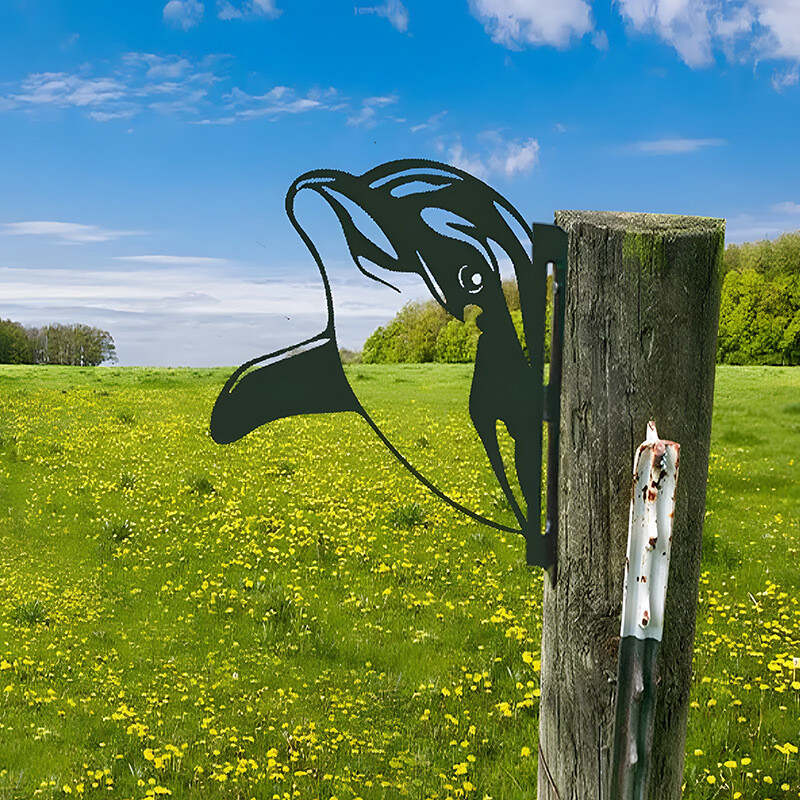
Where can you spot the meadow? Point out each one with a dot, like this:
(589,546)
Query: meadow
(293,616)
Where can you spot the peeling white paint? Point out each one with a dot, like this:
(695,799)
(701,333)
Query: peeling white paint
(655,477)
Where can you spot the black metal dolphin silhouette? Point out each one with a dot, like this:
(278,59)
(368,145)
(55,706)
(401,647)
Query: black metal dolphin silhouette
(444,225)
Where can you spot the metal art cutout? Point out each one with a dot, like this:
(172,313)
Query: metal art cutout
(446,226)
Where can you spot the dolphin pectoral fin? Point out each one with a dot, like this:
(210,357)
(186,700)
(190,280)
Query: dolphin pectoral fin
(487,432)
(527,441)
(307,379)
(505,388)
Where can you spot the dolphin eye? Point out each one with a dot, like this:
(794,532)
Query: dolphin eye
(470,279)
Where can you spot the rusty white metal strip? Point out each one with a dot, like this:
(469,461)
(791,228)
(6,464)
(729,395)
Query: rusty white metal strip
(655,476)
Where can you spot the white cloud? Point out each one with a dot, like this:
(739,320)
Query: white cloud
(780,19)
(279,101)
(178,86)
(249,9)
(515,158)
(393,10)
(160,67)
(498,156)
(433,122)
(677,145)
(140,82)
(469,162)
(783,79)
(749,227)
(367,116)
(62,89)
(787,207)
(684,24)
(518,23)
(767,223)
(743,30)
(750,30)
(64,232)
(174,260)
(107,116)
(183,13)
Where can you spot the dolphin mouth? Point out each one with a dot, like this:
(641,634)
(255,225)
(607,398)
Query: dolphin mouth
(303,379)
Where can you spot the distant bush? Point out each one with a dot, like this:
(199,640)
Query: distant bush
(349,356)
(424,331)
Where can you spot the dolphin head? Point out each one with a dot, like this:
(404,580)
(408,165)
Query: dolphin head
(437,221)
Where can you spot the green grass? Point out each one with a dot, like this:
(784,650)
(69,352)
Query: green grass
(293,616)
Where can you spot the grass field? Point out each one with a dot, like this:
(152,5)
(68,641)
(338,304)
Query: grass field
(293,616)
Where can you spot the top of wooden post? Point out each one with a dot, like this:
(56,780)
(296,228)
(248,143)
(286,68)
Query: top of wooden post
(675,224)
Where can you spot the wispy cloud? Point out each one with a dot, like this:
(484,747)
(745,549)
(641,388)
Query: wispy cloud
(195,314)
(248,9)
(140,82)
(675,146)
(279,101)
(433,122)
(767,223)
(519,23)
(174,260)
(787,207)
(159,67)
(64,232)
(183,13)
(367,115)
(70,41)
(192,89)
(393,10)
(107,116)
(495,155)
(62,89)
(783,79)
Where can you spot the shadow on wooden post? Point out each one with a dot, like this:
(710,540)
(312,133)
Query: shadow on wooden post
(640,340)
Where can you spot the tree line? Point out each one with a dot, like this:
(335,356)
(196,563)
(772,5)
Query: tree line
(77,345)
(759,319)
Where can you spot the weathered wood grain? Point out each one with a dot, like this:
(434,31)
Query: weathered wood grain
(640,340)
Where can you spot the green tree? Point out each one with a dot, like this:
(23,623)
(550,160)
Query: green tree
(80,345)
(15,346)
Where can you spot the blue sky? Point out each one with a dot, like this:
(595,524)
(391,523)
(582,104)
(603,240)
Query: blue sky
(146,147)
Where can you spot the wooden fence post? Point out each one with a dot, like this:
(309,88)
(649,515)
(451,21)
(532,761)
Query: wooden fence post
(640,339)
